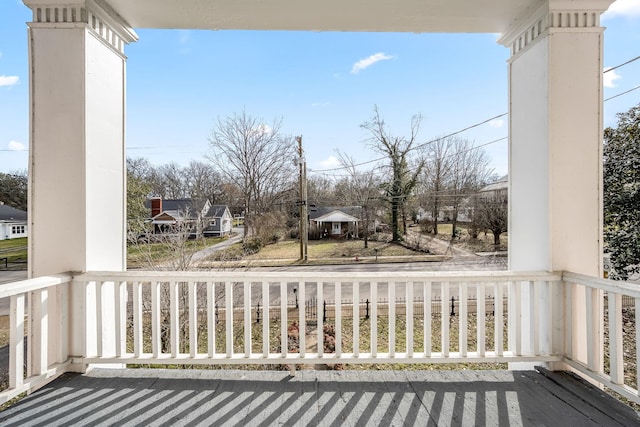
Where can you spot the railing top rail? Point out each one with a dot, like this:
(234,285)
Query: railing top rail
(29,285)
(615,286)
(315,276)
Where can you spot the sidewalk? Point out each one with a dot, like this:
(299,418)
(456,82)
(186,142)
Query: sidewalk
(206,252)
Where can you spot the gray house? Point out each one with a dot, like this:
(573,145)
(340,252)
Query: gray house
(198,216)
(219,220)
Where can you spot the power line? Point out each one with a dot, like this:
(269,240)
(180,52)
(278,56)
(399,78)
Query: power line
(623,93)
(475,147)
(476,125)
(621,65)
(424,144)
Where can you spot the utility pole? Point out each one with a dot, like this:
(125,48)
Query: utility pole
(304,221)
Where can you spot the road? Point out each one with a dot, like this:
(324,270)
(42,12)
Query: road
(474,263)
(461,262)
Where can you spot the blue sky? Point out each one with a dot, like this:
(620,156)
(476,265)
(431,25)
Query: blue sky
(323,86)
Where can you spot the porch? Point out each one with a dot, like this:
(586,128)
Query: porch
(230,397)
(249,319)
(114,318)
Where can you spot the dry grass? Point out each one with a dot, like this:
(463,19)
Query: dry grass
(319,251)
(484,242)
(330,249)
(141,255)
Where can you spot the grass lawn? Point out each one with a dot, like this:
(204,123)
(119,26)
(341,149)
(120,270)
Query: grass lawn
(16,252)
(141,255)
(484,242)
(328,248)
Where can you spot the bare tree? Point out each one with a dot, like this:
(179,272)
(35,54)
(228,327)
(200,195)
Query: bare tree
(491,213)
(402,179)
(255,157)
(361,189)
(321,190)
(436,175)
(172,178)
(202,181)
(469,171)
(232,197)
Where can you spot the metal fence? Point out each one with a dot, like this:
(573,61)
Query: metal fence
(328,309)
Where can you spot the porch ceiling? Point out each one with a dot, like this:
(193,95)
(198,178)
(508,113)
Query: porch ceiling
(492,16)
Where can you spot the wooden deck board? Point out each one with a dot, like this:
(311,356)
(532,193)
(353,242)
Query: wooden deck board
(320,398)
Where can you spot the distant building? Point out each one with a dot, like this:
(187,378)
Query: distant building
(498,188)
(198,217)
(335,222)
(13,222)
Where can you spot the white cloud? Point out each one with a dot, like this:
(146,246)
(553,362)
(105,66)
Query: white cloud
(331,162)
(367,62)
(609,79)
(9,80)
(320,104)
(629,8)
(497,123)
(16,146)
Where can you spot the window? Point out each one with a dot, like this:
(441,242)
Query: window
(17,229)
(213,222)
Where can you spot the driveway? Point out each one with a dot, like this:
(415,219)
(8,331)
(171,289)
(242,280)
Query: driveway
(237,233)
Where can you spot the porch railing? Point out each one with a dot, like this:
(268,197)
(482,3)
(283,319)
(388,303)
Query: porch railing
(612,331)
(38,338)
(172,318)
(191,318)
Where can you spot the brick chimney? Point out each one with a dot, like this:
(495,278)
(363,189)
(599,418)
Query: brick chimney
(156,206)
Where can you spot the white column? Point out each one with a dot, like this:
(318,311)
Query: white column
(555,149)
(77,154)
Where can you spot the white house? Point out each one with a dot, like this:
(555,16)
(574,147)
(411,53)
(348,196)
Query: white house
(13,222)
(335,222)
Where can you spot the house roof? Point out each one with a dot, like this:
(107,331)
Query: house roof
(354,211)
(177,208)
(217,211)
(334,215)
(8,213)
(500,184)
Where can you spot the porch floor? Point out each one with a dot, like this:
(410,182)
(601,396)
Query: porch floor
(230,397)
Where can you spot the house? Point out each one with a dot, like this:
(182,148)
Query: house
(335,222)
(219,220)
(13,222)
(198,217)
(497,188)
